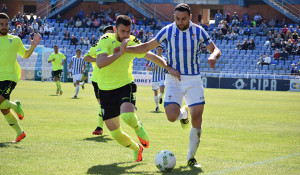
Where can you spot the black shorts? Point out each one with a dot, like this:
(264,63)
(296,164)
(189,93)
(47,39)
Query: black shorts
(56,73)
(112,100)
(96,89)
(6,87)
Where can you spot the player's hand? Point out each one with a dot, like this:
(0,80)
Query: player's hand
(36,39)
(117,49)
(123,46)
(174,72)
(212,61)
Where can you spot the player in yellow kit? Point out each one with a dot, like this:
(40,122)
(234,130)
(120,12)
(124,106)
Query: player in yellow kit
(116,84)
(58,60)
(10,73)
(91,57)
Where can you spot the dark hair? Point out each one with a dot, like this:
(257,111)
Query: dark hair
(55,46)
(78,50)
(110,27)
(160,47)
(4,16)
(183,8)
(123,19)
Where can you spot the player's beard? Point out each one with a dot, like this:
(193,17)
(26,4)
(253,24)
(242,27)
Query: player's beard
(183,28)
(120,39)
(3,32)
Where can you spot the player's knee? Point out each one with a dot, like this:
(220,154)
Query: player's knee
(172,117)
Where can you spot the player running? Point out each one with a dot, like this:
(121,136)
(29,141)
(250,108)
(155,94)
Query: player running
(76,67)
(10,73)
(183,40)
(91,57)
(158,78)
(58,60)
(117,87)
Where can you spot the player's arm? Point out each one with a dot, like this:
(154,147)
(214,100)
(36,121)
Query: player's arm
(50,59)
(64,60)
(83,68)
(88,58)
(162,63)
(34,42)
(144,47)
(214,56)
(104,59)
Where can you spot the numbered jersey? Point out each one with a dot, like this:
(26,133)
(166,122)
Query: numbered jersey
(119,72)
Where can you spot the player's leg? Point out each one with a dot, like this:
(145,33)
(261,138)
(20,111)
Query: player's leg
(78,78)
(110,103)
(12,121)
(194,97)
(99,129)
(127,101)
(57,79)
(6,87)
(161,91)
(173,100)
(156,100)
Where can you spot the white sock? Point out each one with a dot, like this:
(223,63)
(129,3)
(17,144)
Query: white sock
(156,100)
(77,90)
(183,114)
(195,134)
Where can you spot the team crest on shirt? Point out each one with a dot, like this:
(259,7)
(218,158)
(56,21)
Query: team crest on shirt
(175,35)
(193,36)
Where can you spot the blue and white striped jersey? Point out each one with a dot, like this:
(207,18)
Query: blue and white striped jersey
(159,73)
(183,47)
(77,65)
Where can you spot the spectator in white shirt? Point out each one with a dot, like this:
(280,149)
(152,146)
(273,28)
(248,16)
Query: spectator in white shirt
(35,25)
(48,30)
(266,61)
(86,41)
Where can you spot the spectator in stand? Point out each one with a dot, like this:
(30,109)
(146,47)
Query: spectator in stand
(295,35)
(31,18)
(214,34)
(257,17)
(89,23)
(133,19)
(298,50)
(235,21)
(253,23)
(248,31)
(227,36)
(141,34)
(74,40)
(95,24)
(247,22)
(21,34)
(93,40)
(159,24)
(235,15)
(236,29)
(220,35)
(298,30)
(291,28)
(101,28)
(84,25)
(272,22)
(227,17)
(241,32)
(71,22)
(81,42)
(282,44)
(78,23)
(4,8)
(285,30)
(144,21)
(148,37)
(221,25)
(241,22)
(251,45)
(42,31)
(135,32)
(217,21)
(284,55)
(48,30)
(289,46)
(245,16)
(260,60)
(66,35)
(238,46)
(266,61)
(59,19)
(35,25)
(81,14)
(86,41)
(152,22)
(288,36)
(269,35)
(276,55)
(294,70)
(245,44)
(224,30)
(218,17)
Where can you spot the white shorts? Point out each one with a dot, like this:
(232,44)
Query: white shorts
(156,85)
(76,77)
(190,87)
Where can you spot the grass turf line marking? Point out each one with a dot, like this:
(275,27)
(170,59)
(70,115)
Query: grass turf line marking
(254,164)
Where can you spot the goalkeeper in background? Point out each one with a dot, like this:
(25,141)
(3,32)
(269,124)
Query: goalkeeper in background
(10,73)
(91,57)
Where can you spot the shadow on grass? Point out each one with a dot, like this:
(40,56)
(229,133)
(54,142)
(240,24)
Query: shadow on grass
(157,112)
(185,170)
(9,144)
(53,95)
(115,169)
(102,138)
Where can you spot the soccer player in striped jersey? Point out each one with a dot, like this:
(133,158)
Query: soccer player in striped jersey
(158,78)
(58,60)
(91,57)
(76,67)
(183,40)
(10,73)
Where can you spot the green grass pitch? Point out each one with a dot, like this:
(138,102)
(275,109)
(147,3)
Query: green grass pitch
(244,132)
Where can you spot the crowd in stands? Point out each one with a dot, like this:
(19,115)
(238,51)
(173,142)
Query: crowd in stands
(281,38)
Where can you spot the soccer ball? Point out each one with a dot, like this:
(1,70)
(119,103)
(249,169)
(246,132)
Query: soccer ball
(165,160)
